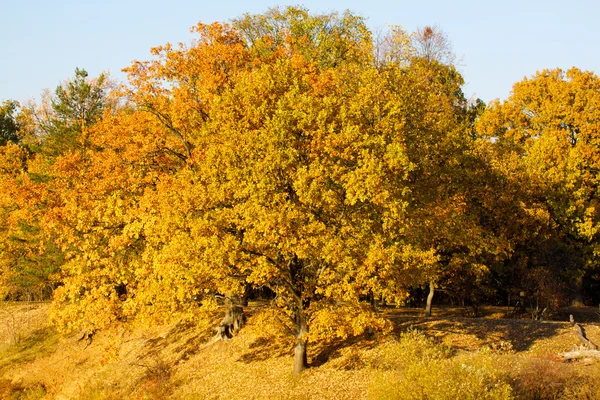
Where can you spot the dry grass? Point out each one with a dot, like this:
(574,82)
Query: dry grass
(19,319)
(443,357)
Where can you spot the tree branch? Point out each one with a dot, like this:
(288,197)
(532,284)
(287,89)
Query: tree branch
(166,121)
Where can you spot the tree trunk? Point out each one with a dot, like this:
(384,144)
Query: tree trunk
(429,299)
(300,360)
(234,318)
(578,292)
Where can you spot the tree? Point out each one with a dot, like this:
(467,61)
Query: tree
(31,257)
(550,123)
(451,198)
(432,44)
(75,106)
(274,152)
(28,257)
(9,126)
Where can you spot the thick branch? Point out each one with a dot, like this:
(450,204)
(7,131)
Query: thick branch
(581,335)
(286,283)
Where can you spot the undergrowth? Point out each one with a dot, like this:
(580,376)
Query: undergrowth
(153,384)
(419,368)
(10,391)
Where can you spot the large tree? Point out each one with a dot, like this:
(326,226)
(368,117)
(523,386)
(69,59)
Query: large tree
(275,151)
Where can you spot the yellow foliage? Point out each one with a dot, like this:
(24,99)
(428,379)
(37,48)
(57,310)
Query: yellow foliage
(280,151)
(547,133)
(332,323)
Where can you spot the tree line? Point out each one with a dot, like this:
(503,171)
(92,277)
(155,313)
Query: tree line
(305,156)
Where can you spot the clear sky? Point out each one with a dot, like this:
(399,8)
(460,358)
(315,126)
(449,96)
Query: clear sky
(498,42)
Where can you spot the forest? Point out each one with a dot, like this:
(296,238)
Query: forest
(306,162)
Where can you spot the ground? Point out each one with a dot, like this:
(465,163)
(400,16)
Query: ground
(445,356)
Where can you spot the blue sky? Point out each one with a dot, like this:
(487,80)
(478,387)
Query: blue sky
(497,42)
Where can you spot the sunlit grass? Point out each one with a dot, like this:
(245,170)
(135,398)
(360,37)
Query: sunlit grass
(445,358)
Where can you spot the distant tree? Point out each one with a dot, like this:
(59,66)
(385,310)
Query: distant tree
(9,126)
(75,106)
(550,123)
(30,255)
(432,44)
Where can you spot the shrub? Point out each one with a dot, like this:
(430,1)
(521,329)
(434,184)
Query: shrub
(426,371)
(546,378)
(411,347)
(584,389)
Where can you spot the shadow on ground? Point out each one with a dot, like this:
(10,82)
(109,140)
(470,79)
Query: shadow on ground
(521,334)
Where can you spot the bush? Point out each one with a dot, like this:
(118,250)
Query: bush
(412,347)
(586,389)
(539,378)
(426,371)
(546,378)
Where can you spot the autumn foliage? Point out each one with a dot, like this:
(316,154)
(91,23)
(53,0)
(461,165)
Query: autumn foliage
(294,153)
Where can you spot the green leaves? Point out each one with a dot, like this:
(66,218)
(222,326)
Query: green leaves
(9,126)
(76,105)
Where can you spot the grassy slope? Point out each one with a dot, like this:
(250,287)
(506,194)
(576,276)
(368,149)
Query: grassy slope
(171,362)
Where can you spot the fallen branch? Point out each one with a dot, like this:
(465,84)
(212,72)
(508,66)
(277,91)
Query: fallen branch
(576,354)
(581,335)
(587,349)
